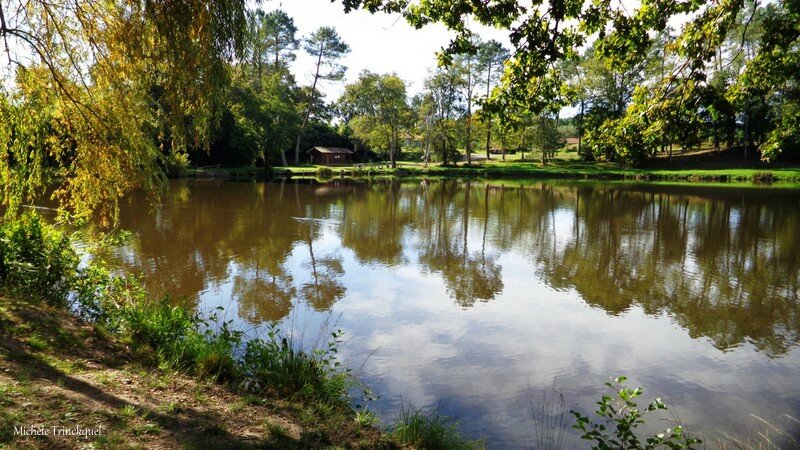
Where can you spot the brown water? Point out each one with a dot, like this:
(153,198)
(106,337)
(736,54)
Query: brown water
(478,298)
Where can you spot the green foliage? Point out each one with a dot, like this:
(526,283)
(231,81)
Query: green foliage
(176,336)
(430,430)
(103,90)
(258,124)
(35,259)
(324,173)
(620,416)
(376,108)
(271,42)
(279,363)
(176,164)
(443,142)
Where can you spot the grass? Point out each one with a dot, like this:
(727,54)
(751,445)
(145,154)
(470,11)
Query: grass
(430,430)
(563,169)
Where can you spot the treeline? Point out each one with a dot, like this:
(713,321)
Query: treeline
(269,119)
(743,101)
(744,96)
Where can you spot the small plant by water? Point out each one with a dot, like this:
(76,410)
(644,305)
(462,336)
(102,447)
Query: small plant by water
(279,363)
(35,259)
(618,420)
(324,173)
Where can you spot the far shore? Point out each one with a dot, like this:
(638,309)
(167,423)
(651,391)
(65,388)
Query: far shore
(710,172)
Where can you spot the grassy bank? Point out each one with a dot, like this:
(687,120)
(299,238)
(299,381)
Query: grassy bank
(564,169)
(63,373)
(86,351)
(560,169)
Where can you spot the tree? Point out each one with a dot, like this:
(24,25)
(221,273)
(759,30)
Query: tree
(258,125)
(424,108)
(272,41)
(376,107)
(545,136)
(327,48)
(468,66)
(491,57)
(445,87)
(121,85)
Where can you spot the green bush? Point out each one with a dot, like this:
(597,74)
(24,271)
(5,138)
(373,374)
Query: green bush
(277,363)
(619,419)
(176,164)
(175,335)
(36,259)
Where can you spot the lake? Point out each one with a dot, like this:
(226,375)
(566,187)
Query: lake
(480,298)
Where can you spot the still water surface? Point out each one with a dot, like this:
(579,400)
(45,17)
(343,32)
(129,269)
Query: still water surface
(479,298)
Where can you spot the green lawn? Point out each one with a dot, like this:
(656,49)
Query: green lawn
(558,169)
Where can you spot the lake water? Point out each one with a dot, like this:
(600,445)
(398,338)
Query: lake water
(479,298)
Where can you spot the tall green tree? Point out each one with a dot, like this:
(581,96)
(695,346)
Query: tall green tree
(328,49)
(491,57)
(376,107)
(273,41)
(445,88)
(469,66)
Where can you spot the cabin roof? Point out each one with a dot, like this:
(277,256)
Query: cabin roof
(332,150)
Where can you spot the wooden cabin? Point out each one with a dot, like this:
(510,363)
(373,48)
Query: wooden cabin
(331,156)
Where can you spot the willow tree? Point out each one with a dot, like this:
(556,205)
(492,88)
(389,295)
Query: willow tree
(96,94)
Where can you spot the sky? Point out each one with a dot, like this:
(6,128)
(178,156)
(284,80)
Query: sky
(381,42)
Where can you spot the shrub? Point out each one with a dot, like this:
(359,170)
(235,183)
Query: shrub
(621,416)
(176,164)
(324,173)
(278,363)
(36,259)
(174,334)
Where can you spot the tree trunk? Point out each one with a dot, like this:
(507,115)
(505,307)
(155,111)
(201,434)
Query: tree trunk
(308,109)
(393,148)
(469,111)
(580,132)
(488,119)
(427,140)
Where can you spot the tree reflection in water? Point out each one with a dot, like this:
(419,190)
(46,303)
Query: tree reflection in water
(722,261)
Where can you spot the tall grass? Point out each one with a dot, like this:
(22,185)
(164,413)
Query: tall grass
(430,430)
(550,423)
(767,435)
(175,335)
(279,363)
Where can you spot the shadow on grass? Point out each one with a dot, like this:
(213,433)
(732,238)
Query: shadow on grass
(193,429)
